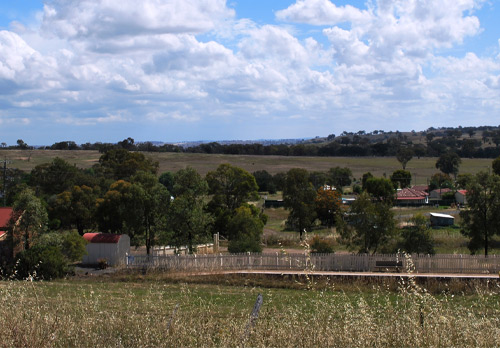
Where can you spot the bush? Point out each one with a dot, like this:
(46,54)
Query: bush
(102,263)
(42,262)
(321,245)
(71,244)
(245,231)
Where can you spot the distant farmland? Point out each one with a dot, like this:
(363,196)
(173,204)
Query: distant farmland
(421,169)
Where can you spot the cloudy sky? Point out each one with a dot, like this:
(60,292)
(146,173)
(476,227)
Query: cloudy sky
(174,70)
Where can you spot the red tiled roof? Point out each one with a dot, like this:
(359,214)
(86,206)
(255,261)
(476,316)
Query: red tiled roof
(421,187)
(2,234)
(408,193)
(464,192)
(102,237)
(5,214)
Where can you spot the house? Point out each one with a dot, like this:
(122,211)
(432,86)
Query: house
(461,197)
(410,196)
(5,215)
(5,246)
(438,193)
(106,246)
(423,188)
(438,219)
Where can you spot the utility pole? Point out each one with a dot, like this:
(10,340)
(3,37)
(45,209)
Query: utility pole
(5,162)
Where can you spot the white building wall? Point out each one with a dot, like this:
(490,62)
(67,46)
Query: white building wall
(114,253)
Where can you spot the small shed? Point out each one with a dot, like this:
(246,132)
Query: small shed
(111,247)
(461,196)
(438,219)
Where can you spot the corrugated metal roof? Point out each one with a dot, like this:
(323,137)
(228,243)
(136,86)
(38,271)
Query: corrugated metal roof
(5,214)
(442,215)
(102,237)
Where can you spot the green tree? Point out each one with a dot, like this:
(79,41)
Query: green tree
(264,181)
(167,180)
(440,180)
(187,216)
(401,178)
(370,225)
(417,237)
(381,189)
(153,208)
(245,231)
(75,207)
(364,179)
(328,203)
(121,164)
(71,244)
(55,177)
(29,220)
(299,198)
(496,165)
(117,210)
(22,145)
(449,163)
(138,209)
(43,262)
(318,179)
(404,155)
(480,220)
(339,177)
(463,180)
(230,187)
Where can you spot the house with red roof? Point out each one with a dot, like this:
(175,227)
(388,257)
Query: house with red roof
(461,197)
(5,246)
(106,246)
(410,196)
(5,215)
(424,188)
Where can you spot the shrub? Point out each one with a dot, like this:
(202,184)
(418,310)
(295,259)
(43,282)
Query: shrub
(245,231)
(321,245)
(102,263)
(43,262)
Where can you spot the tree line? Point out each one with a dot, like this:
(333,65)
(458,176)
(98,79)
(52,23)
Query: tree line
(469,142)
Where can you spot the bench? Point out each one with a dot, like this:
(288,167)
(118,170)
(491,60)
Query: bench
(386,265)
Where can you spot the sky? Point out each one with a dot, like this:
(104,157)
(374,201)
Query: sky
(186,70)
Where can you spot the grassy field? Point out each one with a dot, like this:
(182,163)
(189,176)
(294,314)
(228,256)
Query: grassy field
(421,169)
(448,240)
(105,313)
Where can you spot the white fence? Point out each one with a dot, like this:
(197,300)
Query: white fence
(467,264)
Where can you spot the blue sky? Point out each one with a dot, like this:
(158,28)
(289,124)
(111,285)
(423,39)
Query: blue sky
(178,70)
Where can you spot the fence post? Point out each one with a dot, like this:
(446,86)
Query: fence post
(254,315)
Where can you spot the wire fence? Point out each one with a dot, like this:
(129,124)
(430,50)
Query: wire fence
(441,263)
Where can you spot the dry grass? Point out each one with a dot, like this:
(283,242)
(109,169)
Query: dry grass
(421,169)
(161,314)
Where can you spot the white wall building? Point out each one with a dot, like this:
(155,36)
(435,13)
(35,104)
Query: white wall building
(111,247)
